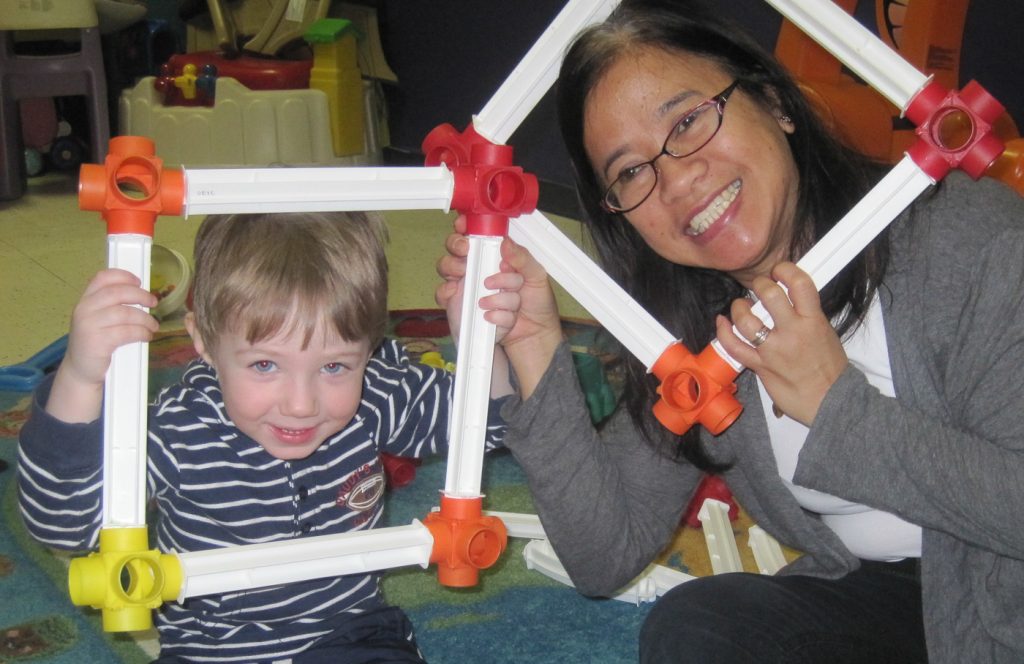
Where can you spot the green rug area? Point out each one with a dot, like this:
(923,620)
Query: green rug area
(512,615)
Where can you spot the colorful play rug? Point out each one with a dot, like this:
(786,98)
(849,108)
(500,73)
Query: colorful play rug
(513,615)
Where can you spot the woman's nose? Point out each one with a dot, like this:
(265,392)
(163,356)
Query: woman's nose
(676,175)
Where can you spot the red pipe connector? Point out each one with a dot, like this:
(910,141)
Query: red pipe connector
(465,541)
(489,190)
(132,187)
(954,130)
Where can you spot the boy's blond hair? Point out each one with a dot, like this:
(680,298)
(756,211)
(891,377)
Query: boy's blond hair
(257,273)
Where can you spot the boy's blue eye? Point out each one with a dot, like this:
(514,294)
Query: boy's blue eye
(263,366)
(333,368)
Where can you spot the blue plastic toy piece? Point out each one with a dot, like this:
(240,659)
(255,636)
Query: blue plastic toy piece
(25,376)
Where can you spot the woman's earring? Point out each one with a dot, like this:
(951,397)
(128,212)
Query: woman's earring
(785,119)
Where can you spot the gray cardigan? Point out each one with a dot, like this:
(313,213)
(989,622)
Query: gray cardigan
(947,453)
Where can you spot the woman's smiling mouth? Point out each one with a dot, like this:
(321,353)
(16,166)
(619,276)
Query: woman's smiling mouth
(715,209)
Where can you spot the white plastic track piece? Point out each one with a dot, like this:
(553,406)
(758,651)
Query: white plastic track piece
(238,568)
(525,526)
(714,520)
(869,217)
(537,71)
(862,224)
(124,403)
(652,583)
(241,190)
(767,552)
(856,47)
(627,321)
(468,425)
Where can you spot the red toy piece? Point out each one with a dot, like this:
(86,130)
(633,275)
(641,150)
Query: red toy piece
(954,130)
(712,486)
(489,190)
(132,187)
(465,541)
(399,471)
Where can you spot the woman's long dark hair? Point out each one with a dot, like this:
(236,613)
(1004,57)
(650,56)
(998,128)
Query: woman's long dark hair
(833,177)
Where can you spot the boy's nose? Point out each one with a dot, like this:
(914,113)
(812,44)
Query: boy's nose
(299,400)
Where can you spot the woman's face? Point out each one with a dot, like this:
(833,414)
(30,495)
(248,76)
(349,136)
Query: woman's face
(729,206)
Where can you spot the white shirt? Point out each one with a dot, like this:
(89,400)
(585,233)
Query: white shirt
(869,533)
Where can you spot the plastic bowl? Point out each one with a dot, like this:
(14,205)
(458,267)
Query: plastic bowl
(170,277)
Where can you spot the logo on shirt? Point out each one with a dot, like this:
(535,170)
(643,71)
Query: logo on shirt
(362,490)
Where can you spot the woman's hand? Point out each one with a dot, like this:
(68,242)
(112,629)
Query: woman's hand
(802,356)
(103,320)
(523,308)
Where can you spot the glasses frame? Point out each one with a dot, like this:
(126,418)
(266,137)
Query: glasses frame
(718,102)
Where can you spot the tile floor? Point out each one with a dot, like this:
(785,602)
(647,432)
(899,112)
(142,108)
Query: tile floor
(49,249)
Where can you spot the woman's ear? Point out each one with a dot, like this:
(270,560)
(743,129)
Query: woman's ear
(197,340)
(779,113)
(785,122)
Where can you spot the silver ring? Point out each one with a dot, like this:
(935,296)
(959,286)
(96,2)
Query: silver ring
(761,336)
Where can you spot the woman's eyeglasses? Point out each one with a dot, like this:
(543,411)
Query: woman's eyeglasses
(693,131)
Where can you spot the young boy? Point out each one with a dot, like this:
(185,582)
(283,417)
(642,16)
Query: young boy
(274,433)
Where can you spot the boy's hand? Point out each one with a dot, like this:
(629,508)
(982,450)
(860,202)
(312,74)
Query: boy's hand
(102,321)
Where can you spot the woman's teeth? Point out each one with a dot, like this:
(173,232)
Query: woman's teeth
(714,210)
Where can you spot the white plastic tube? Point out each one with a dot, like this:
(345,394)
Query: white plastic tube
(537,71)
(856,47)
(767,552)
(650,584)
(468,424)
(721,543)
(869,217)
(241,190)
(526,526)
(259,565)
(627,321)
(124,404)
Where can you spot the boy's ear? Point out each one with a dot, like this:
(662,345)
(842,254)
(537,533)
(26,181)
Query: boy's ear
(197,340)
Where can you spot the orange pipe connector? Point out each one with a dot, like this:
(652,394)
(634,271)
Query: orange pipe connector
(465,541)
(695,389)
(132,187)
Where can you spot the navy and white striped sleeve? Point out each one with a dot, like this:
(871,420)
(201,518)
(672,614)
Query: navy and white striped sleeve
(60,478)
(413,403)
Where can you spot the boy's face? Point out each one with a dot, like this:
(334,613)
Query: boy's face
(286,398)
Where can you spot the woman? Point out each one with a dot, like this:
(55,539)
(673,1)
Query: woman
(882,431)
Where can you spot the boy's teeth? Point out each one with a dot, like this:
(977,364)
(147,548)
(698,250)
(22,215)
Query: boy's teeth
(714,210)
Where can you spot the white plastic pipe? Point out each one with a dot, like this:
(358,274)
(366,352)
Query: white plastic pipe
(856,47)
(124,404)
(468,424)
(259,565)
(537,71)
(525,526)
(653,582)
(767,552)
(721,543)
(627,321)
(241,190)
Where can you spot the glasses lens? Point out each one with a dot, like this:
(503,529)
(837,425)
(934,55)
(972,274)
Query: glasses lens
(631,187)
(694,130)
